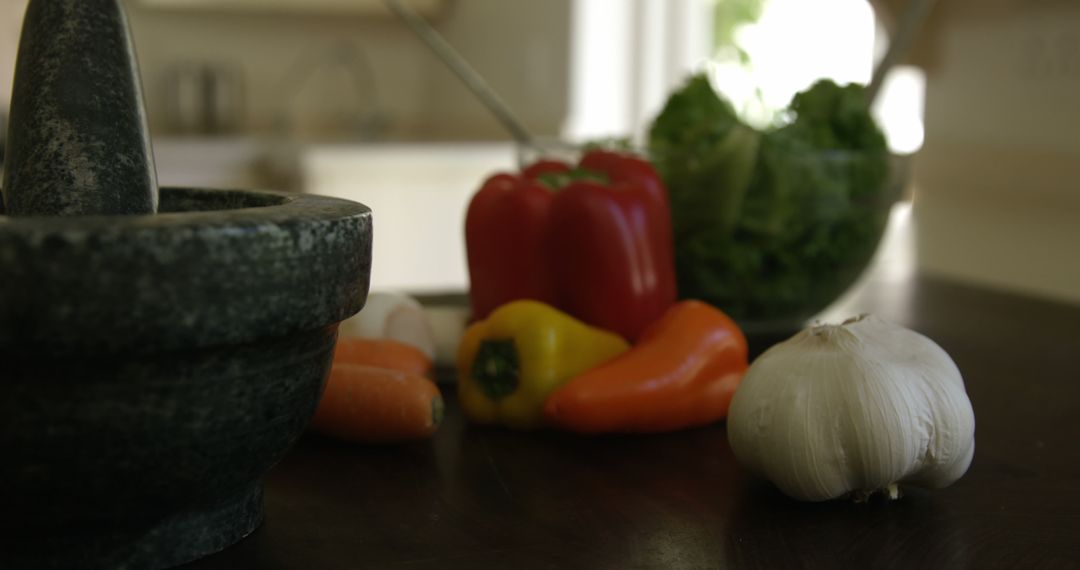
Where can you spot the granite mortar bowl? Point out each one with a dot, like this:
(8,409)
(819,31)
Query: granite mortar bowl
(153,368)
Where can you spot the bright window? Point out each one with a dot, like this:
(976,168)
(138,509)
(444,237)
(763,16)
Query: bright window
(627,55)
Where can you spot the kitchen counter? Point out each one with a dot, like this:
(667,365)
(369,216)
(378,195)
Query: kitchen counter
(490,498)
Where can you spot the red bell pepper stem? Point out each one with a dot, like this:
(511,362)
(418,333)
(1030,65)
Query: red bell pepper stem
(599,247)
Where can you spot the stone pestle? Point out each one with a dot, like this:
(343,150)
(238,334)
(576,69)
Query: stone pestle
(77,141)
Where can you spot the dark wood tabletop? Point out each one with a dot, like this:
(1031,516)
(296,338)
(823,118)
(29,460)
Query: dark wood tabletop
(492,498)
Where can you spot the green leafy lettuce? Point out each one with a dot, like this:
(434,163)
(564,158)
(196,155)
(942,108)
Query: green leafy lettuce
(771,225)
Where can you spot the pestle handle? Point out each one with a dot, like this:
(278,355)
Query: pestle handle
(77,140)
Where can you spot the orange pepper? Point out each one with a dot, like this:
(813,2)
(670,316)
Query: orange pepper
(682,372)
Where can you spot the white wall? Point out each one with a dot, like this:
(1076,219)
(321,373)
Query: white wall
(518,45)
(11,12)
(997,200)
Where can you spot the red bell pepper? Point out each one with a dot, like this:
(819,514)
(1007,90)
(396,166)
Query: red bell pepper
(597,245)
(506,243)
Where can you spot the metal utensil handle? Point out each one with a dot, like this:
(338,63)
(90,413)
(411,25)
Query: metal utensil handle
(911,21)
(469,76)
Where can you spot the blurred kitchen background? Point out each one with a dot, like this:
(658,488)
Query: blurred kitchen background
(338,97)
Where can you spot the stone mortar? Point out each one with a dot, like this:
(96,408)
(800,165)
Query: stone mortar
(160,349)
(155,367)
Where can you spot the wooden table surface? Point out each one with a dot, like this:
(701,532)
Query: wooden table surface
(490,498)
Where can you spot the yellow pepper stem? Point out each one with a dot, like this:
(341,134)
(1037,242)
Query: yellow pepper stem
(497,368)
(510,362)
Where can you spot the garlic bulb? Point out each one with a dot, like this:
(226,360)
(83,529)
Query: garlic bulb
(853,408)
(393,315)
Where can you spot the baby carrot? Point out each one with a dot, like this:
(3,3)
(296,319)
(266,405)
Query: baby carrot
(383,353)
(377,405)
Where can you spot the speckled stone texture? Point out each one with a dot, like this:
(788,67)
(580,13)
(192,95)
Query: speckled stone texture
(77,139)
(155,367)
(191,276)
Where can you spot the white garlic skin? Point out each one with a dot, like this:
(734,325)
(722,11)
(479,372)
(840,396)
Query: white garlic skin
(853,407)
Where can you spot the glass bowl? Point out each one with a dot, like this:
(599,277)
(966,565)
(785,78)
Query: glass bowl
(775,243)
(779,244)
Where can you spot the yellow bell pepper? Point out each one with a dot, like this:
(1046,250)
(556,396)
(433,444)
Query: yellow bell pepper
(509,363)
